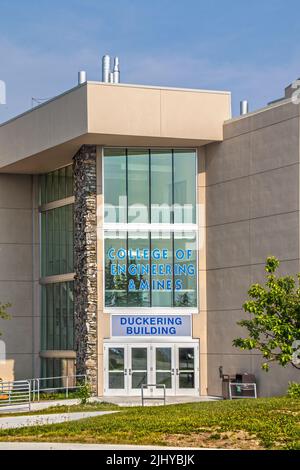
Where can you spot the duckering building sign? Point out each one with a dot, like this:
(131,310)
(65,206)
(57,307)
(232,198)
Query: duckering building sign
(151,325)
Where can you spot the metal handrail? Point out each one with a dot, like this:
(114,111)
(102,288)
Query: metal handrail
(37,389)
(15,393)
(145,386)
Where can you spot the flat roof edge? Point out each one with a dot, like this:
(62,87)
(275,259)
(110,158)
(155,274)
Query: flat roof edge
(157,87)
(277,104)
(122,85)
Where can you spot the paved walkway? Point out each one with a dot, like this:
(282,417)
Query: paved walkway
(121,401)
(59,446)
(10,422)
(137,401)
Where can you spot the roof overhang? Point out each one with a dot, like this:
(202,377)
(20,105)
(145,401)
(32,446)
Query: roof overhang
(48,136)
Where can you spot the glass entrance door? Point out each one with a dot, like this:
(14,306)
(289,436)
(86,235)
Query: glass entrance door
(164,368)
(138,368)
(186,369)
(128,367)
(115,370)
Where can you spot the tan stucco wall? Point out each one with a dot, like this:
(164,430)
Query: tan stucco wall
(48,136)
(48,126)
(18,278)
(200,320)
(7,369)
(157,112)
(252,211)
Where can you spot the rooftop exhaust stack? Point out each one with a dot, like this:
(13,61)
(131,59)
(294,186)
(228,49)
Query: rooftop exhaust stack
(244,107)
(105,68)
(82,77)
(116,71)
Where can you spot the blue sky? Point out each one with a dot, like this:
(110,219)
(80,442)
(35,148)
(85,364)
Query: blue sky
(249,48)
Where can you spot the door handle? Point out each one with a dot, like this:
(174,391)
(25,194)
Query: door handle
(173,371)
(125,371)
(177,371)
(129,371)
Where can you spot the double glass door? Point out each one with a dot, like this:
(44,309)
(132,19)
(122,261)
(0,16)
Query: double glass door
(129,366)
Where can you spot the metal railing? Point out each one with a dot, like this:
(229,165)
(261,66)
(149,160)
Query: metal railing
(52,385)
(242,390)
(145,386)
(16,393)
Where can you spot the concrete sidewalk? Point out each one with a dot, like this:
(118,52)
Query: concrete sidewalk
(13,422)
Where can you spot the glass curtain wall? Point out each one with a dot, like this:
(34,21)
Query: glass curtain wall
(57,245)
(146,267)
(150,186)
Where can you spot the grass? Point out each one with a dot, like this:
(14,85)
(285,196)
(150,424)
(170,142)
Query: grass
(270,423)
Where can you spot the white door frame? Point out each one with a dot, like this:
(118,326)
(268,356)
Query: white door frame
(151,367)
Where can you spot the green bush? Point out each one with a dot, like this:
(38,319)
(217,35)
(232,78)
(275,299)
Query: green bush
(293,390)
(84,393)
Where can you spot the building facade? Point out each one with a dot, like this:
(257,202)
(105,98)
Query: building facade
(133,221)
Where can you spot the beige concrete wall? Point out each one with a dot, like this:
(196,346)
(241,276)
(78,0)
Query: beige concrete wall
(49,136)
(43,128)
(252,211)
(200,320)
(17,274)
(157,112)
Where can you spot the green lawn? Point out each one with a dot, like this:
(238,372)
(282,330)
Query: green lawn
(246,424)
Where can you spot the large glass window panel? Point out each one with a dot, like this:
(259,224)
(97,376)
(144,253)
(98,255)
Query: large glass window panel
(62,183)
(57,241)
(161,186)
(185,269)
(157,269)
(138,269)
(138,186)
(115,196)
(69,181)
(57,317)
(116,269)
(184,186)
(70,238)
(162,269)
(56,185)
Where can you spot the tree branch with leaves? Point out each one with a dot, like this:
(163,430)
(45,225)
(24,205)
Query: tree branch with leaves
(274,325)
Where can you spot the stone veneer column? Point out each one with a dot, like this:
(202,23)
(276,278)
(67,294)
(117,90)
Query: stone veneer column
(85,262)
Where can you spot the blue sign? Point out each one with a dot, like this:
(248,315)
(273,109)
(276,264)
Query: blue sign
(151,325)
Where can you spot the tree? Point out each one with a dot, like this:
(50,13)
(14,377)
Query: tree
(274,326)
(3,312)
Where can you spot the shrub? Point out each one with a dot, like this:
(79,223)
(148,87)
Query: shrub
(293,390)
(84,393)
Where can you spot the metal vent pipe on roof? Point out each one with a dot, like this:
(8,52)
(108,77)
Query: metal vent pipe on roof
(244,107)
(116,70)
(82,77)
(105,68)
